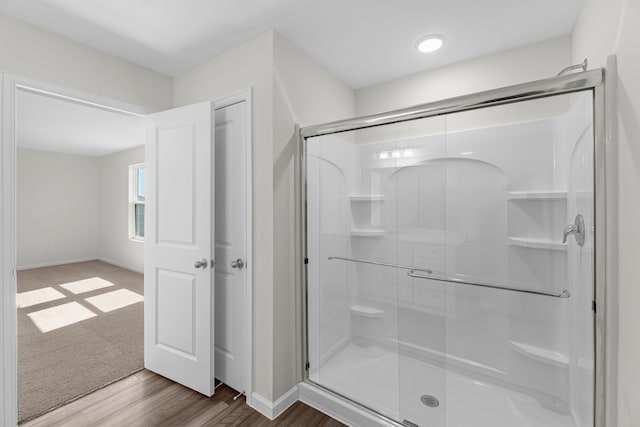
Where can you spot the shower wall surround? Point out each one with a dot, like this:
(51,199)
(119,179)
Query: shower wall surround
(439,292)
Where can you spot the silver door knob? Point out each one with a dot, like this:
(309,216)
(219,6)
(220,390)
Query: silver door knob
(201,264)
(239,263)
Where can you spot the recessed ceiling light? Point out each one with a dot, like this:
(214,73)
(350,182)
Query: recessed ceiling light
(430,43)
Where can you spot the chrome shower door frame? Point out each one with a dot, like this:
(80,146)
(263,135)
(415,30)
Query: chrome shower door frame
(604,150)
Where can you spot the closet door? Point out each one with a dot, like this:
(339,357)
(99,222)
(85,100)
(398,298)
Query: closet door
(179,297)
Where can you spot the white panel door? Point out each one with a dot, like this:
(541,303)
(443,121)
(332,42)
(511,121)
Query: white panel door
(179,298)
(231,244)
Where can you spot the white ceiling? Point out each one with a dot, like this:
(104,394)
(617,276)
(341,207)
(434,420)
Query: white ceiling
(363,42)
(52,124)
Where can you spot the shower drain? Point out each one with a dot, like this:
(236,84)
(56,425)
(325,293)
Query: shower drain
(430,401)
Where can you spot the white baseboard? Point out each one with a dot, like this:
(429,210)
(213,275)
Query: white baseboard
(73,261)
(54,263)
(270,409)
(123,265)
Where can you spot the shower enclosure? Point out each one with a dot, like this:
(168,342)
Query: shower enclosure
(450,255)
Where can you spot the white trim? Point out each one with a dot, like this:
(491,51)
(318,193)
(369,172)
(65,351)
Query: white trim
(340,409)
(273,410)
(54,263)
(133,201)
(79,97)
(8,353)
(8,323)
(234,98)
(73,261)
(246,96)
(8,358)
(122,265)
(261,404)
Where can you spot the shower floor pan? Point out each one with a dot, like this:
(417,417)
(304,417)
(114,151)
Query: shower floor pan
(372,377)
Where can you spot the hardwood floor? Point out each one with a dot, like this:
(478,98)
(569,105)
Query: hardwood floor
(147,399)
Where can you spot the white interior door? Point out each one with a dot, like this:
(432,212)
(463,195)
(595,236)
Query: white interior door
(179,297)
(231,244)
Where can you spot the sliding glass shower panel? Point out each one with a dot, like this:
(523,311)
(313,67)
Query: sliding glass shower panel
(417,202)
(367,225)
(450,272)
(521,351)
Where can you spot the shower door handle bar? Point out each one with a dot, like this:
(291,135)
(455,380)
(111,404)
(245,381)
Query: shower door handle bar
(562,294)
(384,264)
(414,272)
(417,275)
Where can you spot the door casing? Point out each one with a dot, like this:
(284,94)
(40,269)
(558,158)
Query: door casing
(8,323)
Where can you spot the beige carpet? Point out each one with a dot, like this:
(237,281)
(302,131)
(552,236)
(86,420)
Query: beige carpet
(102,341)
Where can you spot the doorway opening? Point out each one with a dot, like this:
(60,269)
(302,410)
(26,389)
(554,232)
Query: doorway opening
(79,269)
(233,324)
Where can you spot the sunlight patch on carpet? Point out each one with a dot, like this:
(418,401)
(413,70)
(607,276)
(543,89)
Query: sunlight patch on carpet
(59,316)
(86,285)
(39,296)
(114,300)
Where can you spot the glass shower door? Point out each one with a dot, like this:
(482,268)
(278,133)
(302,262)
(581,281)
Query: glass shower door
(417,198)
(519,325)
(365,225)
(450,266)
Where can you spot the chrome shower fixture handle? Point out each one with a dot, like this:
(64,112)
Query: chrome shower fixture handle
(577,229)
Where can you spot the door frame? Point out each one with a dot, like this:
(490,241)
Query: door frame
(602,83)
(226,101)
(10,83)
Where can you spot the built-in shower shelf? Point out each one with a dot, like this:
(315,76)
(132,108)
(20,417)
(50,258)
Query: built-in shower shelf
(363,311)
(537,243)
(537,195)
(367,232)
(367,197)
(541,354)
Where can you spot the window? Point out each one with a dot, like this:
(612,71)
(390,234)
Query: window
(136,201)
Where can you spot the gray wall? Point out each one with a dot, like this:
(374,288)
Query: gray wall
(57,208)
(28,51)
(75,208)
(287,87)
(114,244)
